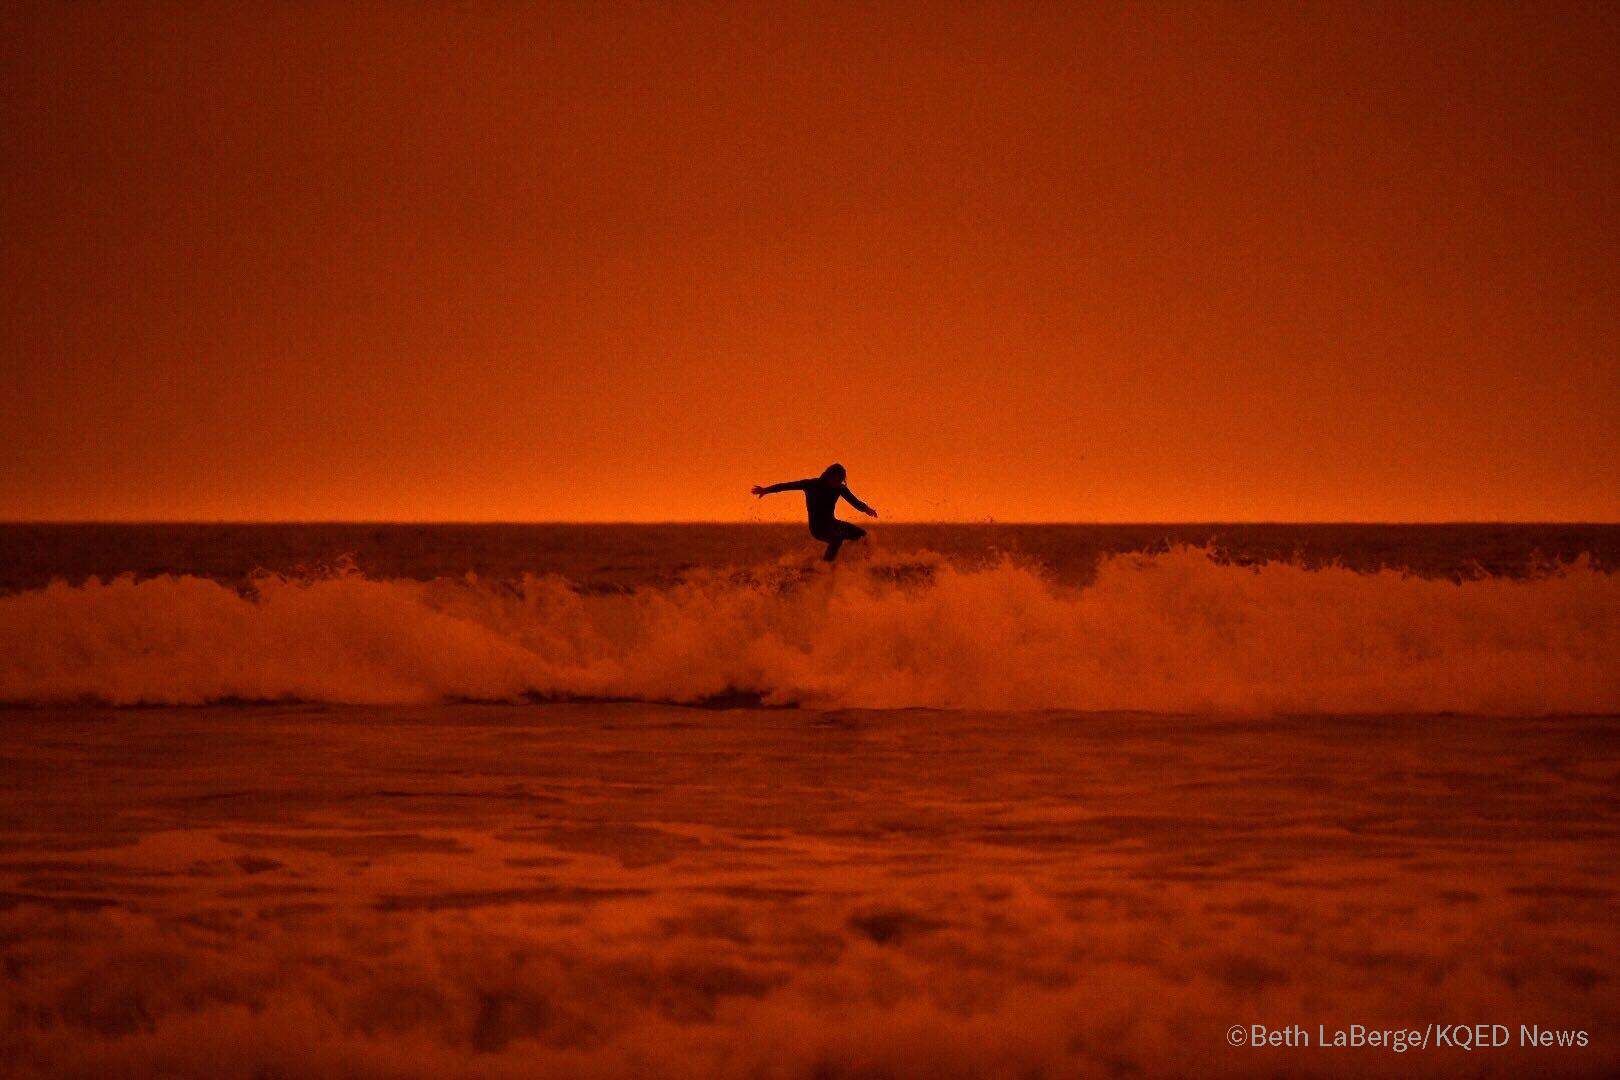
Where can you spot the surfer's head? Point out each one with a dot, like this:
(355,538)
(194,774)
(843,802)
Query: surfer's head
(833,474)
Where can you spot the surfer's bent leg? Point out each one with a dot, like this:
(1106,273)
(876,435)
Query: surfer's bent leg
(835,537)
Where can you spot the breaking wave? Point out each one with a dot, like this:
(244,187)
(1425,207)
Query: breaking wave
(1173,632)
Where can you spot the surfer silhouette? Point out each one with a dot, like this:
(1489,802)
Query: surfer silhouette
(821,495)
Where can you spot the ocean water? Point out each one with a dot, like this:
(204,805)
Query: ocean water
(1483,619)
(980,801)
(620,556)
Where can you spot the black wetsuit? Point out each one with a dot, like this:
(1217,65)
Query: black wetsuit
(821,499)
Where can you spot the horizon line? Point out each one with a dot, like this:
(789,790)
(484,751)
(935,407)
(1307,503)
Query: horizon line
(627,523)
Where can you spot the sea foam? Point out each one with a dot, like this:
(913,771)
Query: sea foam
(1174,632)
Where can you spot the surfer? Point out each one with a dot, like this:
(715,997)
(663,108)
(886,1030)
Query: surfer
(821,495)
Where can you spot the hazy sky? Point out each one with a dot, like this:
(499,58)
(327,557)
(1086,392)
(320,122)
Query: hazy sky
(615,261)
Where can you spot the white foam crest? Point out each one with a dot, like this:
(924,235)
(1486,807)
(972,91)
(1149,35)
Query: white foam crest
(1174,632)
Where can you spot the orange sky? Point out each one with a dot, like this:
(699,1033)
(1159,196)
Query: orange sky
(1021,261)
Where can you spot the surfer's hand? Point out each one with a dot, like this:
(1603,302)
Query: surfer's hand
(759,492)
(870,512)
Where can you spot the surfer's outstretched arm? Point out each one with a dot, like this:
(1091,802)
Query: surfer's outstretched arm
(856,503)
(791,485)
